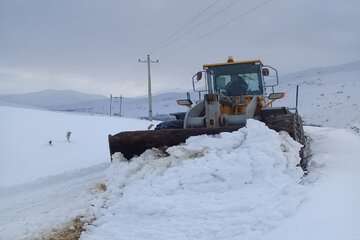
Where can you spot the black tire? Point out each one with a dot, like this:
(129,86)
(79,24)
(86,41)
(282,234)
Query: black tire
(293,125)
(173,124)
(289,122)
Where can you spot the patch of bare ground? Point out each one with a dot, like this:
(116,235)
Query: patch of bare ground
(101,187)
(71,231)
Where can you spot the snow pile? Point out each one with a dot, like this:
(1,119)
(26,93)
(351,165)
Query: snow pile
(230,186)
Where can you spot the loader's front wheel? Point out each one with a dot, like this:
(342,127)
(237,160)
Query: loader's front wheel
(290,122)
(173,124)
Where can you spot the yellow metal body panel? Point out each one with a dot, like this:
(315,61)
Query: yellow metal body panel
(239,107)
(231,63)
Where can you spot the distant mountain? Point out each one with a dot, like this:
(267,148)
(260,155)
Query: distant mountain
(163,104)
(73,101)
(49,98)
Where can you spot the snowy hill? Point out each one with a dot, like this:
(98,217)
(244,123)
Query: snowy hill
(328,96)
(313,72)
(72,101)
(49,98)
(164,103)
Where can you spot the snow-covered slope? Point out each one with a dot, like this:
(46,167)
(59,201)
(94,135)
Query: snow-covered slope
(326,98)
(26,154)
(312,72)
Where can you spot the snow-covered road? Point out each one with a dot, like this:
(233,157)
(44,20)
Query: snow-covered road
(32,210)
(333,208)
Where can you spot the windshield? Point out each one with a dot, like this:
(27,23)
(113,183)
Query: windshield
(237,80)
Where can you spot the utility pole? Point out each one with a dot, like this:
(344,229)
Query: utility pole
(110,104)
(120,104)
(149,61)
(115,99)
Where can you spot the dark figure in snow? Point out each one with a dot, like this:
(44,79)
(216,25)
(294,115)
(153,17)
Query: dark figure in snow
(68,135)
(50,143)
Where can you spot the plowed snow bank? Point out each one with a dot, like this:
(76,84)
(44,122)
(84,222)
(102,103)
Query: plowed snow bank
(232,186)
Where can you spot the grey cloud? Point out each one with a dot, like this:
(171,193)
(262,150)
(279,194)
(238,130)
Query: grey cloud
(93,46)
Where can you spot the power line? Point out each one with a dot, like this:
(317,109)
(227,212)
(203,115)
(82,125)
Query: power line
(204,21)
(190,21)
(249,11)
(229,22)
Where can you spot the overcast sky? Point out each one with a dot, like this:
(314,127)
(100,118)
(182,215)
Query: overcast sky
(93,45)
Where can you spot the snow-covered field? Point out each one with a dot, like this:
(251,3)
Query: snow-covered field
(43,186)
(26,154)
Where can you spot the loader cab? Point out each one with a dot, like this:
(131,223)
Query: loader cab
(250,78)
(236,78)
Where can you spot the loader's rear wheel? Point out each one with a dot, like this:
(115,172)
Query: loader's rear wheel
(292,124)
(173,124)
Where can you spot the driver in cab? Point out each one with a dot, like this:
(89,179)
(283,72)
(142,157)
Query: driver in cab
(237,86)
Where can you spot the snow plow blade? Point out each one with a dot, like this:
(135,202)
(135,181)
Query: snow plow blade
(134,143)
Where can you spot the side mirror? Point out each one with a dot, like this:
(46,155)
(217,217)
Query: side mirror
(184,102)
(265,72)
(275,96)
(198,76)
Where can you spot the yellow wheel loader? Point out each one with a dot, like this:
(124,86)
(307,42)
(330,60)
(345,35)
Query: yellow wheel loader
(229,94)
